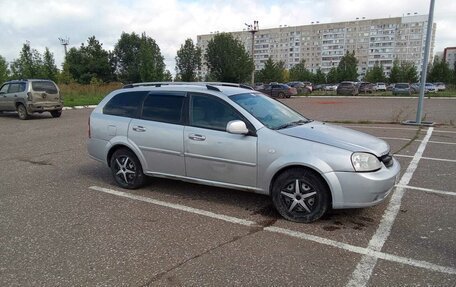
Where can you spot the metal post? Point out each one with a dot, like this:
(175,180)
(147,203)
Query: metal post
(253,29)
(425,63)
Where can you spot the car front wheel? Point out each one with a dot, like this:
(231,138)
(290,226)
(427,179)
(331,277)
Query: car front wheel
(126,169)
(300,195)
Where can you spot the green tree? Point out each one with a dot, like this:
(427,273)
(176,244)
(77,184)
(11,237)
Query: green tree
(137,58)
(409,72)
(167,77)
(395,74)
(272,72)
(227,59)
(332,76)
(375,74)
(188,61)
(347,70)
(29,65)
(4,72)
(50,70)
(439,71)
(299,72)
(319,77)
(89,63)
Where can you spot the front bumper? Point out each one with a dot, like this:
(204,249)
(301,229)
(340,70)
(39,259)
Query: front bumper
(363,189)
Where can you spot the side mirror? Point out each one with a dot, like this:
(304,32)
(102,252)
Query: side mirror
(237,127)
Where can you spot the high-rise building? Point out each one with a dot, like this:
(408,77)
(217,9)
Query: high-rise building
(322,45)
(449,56)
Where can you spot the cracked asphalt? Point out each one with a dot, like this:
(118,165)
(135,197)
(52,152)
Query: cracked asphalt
(57,231)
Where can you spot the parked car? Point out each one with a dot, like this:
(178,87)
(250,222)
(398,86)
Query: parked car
(402,89)
(380,87)
(319,87)
(31,96)
(301,87)
(330,87)
(430,88)
(440,86)
(347,88)
(365,87)
(237,138)
(277,90)
(390,87)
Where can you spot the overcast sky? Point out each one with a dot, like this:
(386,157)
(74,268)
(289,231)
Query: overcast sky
(170,22)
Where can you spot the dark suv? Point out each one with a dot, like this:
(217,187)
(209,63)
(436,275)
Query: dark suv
(347,88)
(277,90)
(31,96)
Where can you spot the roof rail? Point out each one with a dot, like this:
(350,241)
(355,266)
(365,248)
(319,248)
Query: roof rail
(208,85)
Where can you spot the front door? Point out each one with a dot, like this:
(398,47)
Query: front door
(3,96)
(213,154)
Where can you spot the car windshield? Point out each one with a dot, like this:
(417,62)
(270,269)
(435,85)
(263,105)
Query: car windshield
(269,112)
(402,86)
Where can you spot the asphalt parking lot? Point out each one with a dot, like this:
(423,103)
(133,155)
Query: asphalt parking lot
(63,221)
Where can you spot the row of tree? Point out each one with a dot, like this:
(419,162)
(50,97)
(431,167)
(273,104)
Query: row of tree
(137,58)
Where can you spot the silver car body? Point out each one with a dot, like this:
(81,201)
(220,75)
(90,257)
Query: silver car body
(247,162)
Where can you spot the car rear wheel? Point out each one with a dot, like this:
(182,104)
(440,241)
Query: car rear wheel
(56,114)
(22,112)
(126,169)
(300,195)
(281,95)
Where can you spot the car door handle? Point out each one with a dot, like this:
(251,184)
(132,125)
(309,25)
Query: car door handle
(139,129)
(196,137)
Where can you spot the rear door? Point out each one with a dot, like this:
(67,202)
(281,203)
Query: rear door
(158,132)
(45,92)
(213,154)
(3,96)
(15,92)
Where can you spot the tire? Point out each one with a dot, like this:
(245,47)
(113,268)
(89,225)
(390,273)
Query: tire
(126,169)
(56,114)
(281,95)
(300,195)
(22,112)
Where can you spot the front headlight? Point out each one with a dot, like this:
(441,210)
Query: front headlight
(365,162)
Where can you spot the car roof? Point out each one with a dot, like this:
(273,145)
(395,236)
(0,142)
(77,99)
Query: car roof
(227,89)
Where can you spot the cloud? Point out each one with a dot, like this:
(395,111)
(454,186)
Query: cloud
(171,22)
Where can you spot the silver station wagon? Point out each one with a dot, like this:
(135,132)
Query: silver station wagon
(229,136)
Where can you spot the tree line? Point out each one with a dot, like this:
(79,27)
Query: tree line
(138,58)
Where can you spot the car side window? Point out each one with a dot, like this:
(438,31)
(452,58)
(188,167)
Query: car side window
(125,104)
(15,88)
(4,89)
(163,108)
(209,112)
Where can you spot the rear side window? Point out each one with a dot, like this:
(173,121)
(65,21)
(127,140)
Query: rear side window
(163,108)
(125,104)
(44,86)
(4,88)
(16,88)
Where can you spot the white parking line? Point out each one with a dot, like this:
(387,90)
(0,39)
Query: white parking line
(288,232)
(427,158)
(363,271)
(406,139)
(428,190)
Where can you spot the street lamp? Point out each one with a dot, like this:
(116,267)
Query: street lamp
(253,29)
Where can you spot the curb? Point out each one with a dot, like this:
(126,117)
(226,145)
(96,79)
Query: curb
(79,107)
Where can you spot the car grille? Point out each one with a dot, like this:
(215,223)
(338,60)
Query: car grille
(387,160)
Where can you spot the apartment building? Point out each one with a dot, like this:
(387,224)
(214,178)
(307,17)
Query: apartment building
(322,45)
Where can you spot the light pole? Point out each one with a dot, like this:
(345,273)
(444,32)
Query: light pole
(253,29)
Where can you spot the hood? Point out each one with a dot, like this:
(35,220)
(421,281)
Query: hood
(339,137)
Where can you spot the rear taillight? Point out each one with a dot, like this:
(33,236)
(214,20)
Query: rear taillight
(29,96)
(89,129)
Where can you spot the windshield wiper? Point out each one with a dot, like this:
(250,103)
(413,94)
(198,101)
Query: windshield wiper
(292,124)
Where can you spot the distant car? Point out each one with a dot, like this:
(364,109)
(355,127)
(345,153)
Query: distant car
(430,88)
(301,87)
(276,90)
(402,89)
(440,86)
(31,96)
(319,87)
(365,87)
(380,87)
(330,87)
(390,87)
(347,88)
